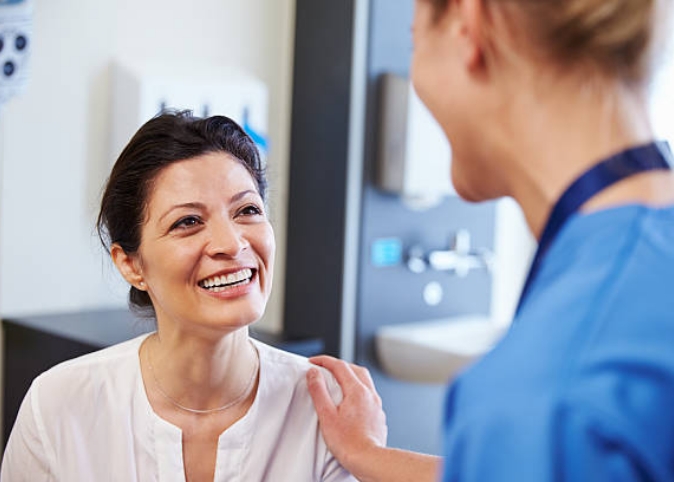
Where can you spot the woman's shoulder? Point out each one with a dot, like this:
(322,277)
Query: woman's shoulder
(618,224)
(104,356)
(289,370)
(275,355)
(91,371)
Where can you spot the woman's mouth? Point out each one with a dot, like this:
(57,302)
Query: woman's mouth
(216,284)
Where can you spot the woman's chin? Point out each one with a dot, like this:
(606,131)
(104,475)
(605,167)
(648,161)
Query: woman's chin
(466,192)
(473,188)
(230,321)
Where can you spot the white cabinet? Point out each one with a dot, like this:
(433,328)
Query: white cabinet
(141,91)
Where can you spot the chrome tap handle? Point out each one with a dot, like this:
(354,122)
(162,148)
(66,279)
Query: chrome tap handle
(462,242)
(461,259)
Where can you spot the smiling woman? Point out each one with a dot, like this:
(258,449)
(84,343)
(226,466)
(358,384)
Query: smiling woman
(184,219)
(205,240)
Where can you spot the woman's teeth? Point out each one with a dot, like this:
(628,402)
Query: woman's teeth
(221,283)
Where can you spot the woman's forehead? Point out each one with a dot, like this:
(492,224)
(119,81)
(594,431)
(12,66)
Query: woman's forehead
(213,174)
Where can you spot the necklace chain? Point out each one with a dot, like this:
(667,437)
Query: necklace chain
(231,403)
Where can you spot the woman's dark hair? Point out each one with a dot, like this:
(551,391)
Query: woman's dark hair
(165,139)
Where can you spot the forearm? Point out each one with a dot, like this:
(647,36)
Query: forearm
(382,464)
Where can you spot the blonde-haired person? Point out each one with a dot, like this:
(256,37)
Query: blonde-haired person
(545,101)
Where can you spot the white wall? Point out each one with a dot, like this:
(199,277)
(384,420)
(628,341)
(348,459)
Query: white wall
(514,247)
(54,138)
(662,97)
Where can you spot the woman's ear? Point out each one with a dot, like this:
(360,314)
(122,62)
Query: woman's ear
(472,19)
(129,266)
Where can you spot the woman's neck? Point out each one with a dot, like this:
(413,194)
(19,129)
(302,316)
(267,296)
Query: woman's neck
(199,372)
(551,139)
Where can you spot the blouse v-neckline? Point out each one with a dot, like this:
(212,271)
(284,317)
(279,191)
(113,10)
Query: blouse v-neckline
(166,438)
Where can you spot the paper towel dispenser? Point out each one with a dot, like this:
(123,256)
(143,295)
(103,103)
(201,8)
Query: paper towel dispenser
(413,159)
(140,90)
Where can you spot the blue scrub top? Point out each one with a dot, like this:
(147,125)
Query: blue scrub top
(582,387)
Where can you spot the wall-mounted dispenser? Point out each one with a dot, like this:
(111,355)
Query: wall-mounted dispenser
(16,28)
(413,159)
(140,91)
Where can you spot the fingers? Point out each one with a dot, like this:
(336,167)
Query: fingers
(325,361)
(341,370)
(364,376)
(318,390)
(344,371)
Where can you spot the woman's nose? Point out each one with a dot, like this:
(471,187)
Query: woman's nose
(227,239)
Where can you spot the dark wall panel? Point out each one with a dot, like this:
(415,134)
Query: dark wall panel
(318,154)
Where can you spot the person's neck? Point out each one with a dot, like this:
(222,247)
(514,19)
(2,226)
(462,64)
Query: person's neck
(202,372)
(552,139)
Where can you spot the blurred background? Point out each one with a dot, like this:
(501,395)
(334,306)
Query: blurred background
(378,261)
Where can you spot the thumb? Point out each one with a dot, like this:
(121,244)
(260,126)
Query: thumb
(319,393)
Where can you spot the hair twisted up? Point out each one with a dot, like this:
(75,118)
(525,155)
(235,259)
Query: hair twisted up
(614,36)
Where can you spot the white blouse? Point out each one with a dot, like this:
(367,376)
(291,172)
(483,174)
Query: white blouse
(90,419)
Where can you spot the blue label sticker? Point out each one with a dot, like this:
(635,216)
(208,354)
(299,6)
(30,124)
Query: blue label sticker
(258,137)
(386,252)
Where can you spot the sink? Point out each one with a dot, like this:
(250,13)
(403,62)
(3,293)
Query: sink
(434,351)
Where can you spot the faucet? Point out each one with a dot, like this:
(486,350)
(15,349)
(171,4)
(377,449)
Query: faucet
(459,259)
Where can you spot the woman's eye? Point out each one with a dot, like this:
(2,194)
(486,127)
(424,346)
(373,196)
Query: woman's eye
(186,222)
(250,210)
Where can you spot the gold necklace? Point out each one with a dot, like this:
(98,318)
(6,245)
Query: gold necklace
(238,399)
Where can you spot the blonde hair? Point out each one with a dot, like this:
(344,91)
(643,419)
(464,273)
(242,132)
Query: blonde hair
(613,36)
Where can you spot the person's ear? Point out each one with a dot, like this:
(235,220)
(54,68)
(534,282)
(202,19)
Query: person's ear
(471,19)
(129,266)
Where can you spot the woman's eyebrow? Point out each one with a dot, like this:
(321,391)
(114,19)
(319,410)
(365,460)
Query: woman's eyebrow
(242,194)
(193,205)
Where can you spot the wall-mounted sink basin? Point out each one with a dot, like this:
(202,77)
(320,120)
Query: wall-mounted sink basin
(434,351)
